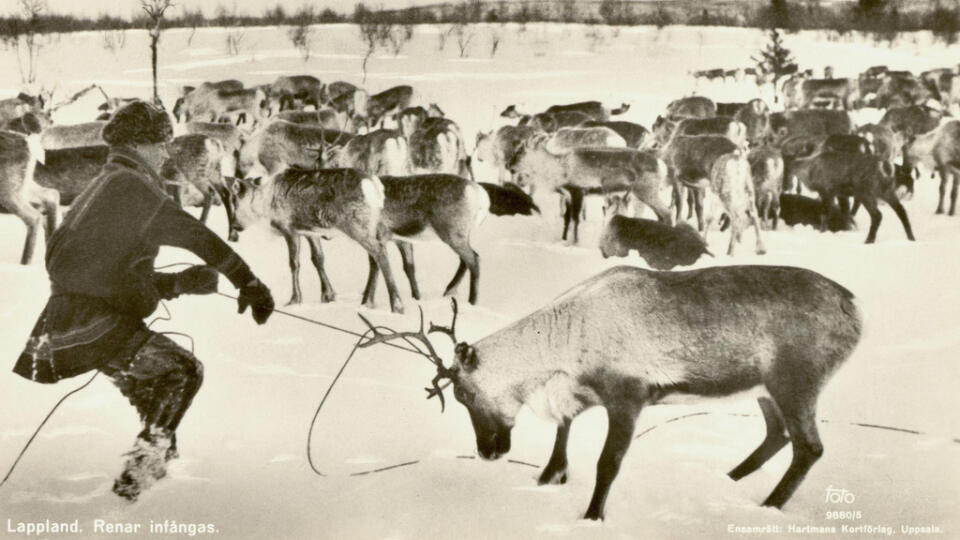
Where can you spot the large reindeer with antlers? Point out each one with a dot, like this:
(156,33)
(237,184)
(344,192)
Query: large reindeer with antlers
(629,337)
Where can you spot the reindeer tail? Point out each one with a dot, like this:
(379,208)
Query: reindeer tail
(624,107)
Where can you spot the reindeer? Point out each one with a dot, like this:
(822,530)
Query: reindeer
(72,136)
(69,171)
(196,164)
(732,182)
(692,106)
(865,177)
(313,203)
(662,246)
(282,144)
(288,89)
(551,122)
(594,109)
(625,338)
(436,146)
(446,205)
(608,169)
(380,152)
(229,136)
(567,138)
(387,103)
(211,103)
(690,160)
(20,194)
(886,143)
(635,135)
(20,105)
(766,167)
(938,150)
(325,118)
(500,147)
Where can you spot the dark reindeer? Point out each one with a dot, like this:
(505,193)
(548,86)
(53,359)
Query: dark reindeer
(598,345)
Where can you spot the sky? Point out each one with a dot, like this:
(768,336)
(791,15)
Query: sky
(125,8)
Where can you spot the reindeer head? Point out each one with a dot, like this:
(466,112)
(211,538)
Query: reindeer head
(250,199)
(492,422)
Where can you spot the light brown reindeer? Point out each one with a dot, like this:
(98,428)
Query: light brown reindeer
(628,338)
(20,194)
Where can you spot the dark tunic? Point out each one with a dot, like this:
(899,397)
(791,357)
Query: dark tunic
(100,262)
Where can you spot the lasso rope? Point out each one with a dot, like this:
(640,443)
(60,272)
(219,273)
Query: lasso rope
(412,349)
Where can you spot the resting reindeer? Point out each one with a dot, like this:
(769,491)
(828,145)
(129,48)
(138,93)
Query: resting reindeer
(625,339)
(662,246)
(20,194)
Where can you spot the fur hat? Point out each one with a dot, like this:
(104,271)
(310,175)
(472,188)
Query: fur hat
(138,123)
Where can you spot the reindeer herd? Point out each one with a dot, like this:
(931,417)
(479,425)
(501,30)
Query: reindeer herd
(320,160)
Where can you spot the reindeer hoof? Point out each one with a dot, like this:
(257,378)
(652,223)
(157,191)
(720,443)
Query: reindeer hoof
(551,477)
(233,236)
(328,297)
(294,300)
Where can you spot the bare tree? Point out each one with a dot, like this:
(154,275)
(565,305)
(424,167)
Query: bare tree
(234,41)
(155,10)
(381,29)
(26,40)
(114,40)
(300,34)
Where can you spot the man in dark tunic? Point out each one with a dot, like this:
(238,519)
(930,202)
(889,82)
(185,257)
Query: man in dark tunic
(103,284)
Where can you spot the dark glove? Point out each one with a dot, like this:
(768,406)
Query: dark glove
(200,279)
(256,295)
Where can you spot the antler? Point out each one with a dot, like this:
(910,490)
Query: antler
(431,354)
(448,330)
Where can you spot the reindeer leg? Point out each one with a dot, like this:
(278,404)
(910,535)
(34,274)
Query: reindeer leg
(293,254)
(406,254)
(698,195)
(468,260)
(775,440)
(692,206)
(207,203)
(875,218)
(901,214)
(756,227)
(370,289)
(953,191)
(798,406)
(316,256)
(944,175)
(556,470)
(50,202)
(32,218)
(619,435)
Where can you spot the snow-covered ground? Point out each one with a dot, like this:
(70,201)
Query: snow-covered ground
(244,467)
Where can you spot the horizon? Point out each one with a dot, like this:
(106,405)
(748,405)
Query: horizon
(126,9)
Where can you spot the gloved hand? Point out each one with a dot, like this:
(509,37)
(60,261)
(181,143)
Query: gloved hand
(256,295)
(200,279)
